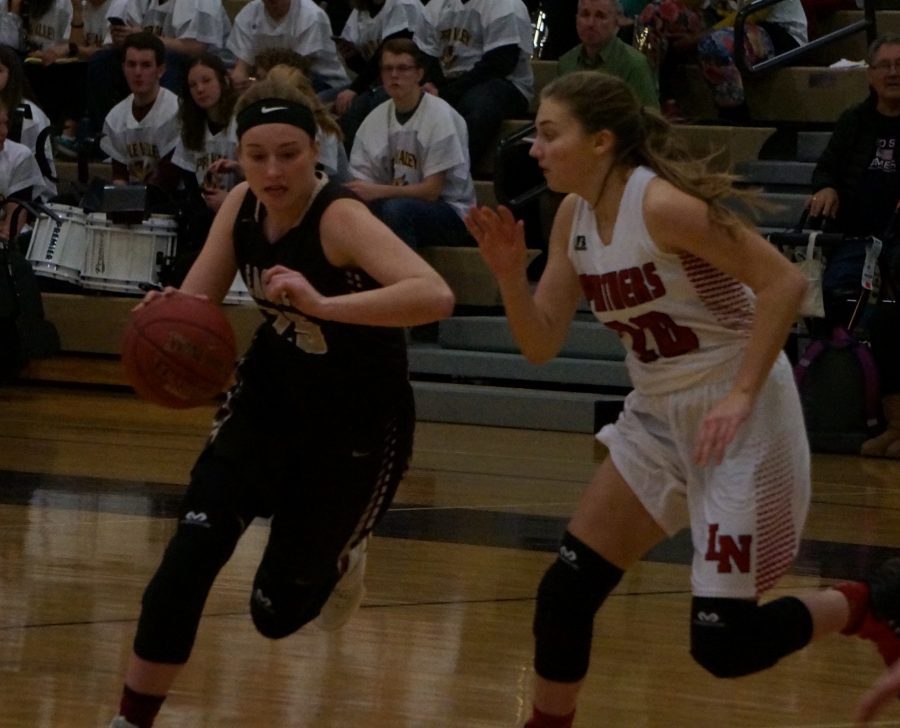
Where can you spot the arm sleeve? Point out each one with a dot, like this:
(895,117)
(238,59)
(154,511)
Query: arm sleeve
(829,168)
(111,144)
(497,63)
(183,159)
(240,42)
(25,178)
(643,84)
(10,30)
(363,165)
(200,20)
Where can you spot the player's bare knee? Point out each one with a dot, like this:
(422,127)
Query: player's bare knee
(571,592)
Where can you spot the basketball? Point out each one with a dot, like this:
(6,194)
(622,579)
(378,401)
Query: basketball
(178,351)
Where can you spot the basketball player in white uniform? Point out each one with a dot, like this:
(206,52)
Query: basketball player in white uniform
(712,436)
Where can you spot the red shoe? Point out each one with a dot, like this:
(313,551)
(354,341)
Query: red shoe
(875,609)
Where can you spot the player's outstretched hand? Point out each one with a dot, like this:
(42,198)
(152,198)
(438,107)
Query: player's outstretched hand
(720,426)
(285,286)
(884,691)
(500,238)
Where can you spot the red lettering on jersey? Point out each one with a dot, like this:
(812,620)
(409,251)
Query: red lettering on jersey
(670,338)
(638,340)
(611,293)
(654,282)
(622,289)
(631,284)
(592,291)
(727,551)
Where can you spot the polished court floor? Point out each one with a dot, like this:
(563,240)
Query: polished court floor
(89,480)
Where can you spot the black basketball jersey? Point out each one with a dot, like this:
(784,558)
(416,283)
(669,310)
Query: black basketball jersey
(312,349)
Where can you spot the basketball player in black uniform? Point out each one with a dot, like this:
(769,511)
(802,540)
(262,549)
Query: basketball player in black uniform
(317,431)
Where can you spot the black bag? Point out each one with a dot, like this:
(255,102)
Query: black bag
(840,393)
(24,333)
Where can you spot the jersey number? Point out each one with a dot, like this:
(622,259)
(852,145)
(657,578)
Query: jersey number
(671,339)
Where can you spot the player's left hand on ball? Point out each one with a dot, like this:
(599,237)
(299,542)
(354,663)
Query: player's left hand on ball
(719,428)
(153,294)
(286,286)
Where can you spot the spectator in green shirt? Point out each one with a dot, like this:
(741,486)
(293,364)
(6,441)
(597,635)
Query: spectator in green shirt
(597,24)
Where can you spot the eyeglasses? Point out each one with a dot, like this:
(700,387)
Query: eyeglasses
(399,68)
(885,66)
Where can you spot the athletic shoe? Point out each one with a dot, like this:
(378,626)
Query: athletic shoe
(348,593)
(875,609)
(120,722)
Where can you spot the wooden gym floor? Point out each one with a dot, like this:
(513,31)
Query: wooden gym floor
(89,480)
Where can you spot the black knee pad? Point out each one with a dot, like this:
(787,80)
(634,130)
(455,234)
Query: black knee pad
(737,637)
(281,604)
(173,600)
(571,592)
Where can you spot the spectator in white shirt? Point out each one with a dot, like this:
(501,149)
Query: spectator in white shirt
(299,25)
(410,160)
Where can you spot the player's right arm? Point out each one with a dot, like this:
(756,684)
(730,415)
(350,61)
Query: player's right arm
(539,321)
(213,272)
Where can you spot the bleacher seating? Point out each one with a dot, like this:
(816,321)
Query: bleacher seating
(467,369)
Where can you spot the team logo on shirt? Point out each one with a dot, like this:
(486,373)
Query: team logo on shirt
(884,156)
(580,242)
(456,35)
(405,158)
(729,551)
(286,320)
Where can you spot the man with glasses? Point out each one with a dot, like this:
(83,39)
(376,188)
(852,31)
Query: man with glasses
(410,160)
(370,25)
(857,188)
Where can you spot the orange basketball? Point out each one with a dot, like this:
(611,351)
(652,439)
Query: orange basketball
(178,351)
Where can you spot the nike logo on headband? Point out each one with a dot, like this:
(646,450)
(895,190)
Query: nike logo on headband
(269,109)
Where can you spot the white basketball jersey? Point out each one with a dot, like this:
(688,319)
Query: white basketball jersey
(18,169)
(221,145)
(680,318)
(141,144)
(305,29)
(465,31)
(367,32)
(434,139)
